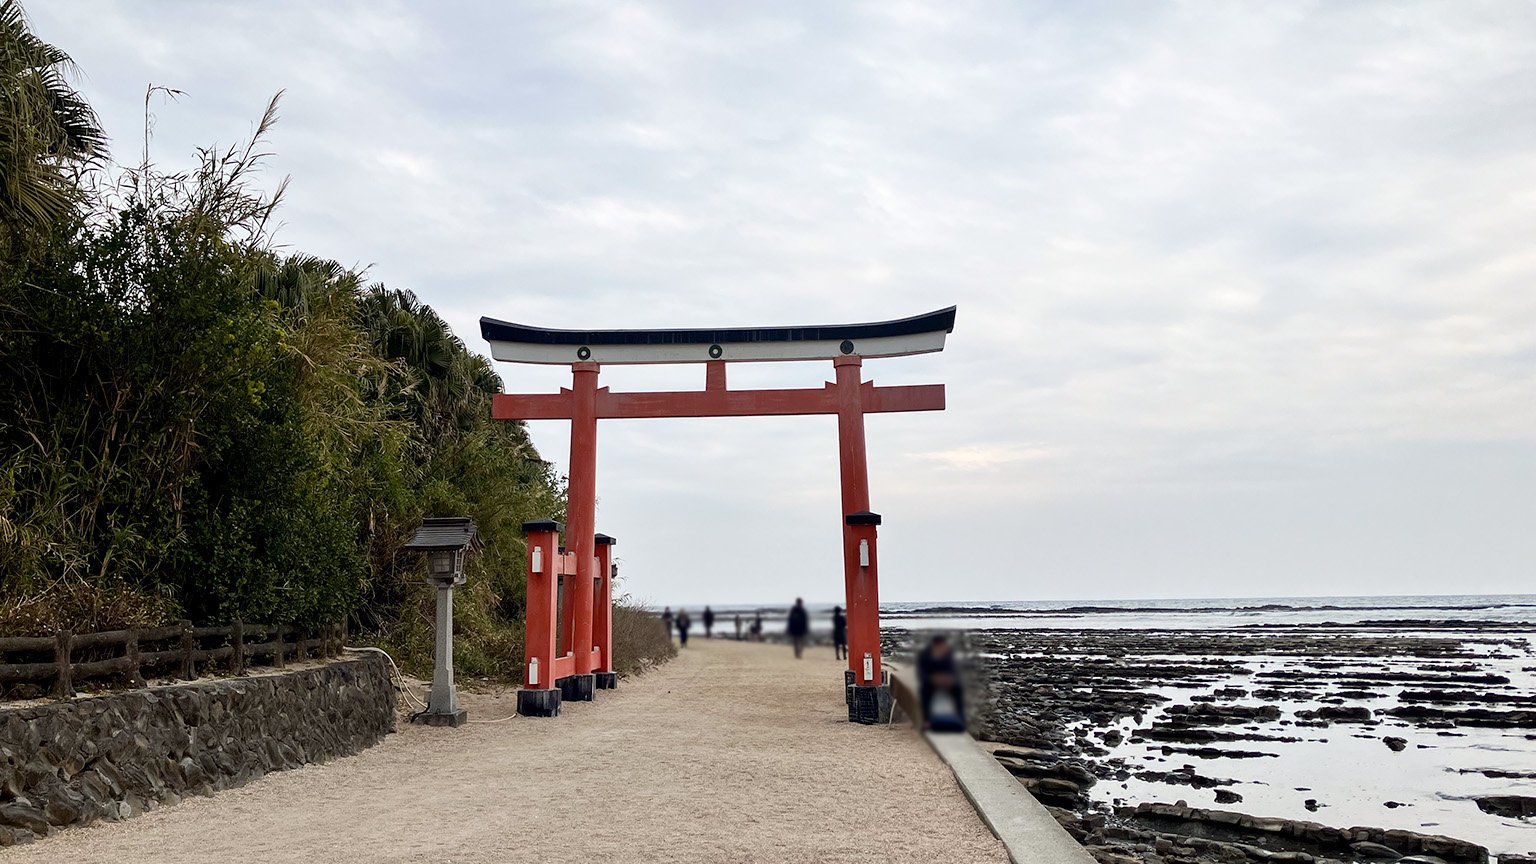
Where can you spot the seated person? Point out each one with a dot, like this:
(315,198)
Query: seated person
(938,686)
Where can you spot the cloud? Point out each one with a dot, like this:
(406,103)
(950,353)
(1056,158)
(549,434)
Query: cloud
(1212,263)
(985,457)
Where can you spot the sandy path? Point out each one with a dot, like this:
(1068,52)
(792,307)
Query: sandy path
(731,753)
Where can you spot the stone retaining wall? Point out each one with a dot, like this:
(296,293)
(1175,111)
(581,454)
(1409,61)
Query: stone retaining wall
(111,757)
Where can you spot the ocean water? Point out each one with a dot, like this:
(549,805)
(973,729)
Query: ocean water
(1202,614)
(1210,614)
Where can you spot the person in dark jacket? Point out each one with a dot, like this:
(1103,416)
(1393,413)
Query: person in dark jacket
(839,633)
(938,687)
(666,621)
(709,621)
(799,626)
(683,623)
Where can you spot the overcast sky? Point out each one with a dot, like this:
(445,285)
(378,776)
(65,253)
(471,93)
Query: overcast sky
(1247,292)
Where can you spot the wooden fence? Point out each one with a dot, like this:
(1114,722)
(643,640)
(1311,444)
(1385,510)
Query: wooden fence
(175,650)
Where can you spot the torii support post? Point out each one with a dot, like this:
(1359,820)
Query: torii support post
(869,696)
(863,605)
(602,614)
(539,697)
(581,516)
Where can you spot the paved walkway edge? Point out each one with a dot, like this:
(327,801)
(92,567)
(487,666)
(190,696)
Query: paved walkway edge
(1023,825)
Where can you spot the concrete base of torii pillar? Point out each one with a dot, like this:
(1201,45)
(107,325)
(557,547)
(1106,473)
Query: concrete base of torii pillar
(868,704)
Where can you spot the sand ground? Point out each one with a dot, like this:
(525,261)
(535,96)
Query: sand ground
(731,753)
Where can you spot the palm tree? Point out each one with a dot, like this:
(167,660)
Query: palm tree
(47,130)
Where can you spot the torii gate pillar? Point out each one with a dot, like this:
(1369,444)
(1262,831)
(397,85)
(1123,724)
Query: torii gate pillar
(860,586)
(581,523)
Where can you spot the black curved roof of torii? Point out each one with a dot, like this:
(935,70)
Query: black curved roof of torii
(930,322)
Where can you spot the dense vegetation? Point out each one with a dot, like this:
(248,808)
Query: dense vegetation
(195,425)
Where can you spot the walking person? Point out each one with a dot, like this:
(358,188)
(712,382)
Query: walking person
(757,626)
(666,621)
(839,633)
(738,626)
(709,622)
(799,626)
(683,623)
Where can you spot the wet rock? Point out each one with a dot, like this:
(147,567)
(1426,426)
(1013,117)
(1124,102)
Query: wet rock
(1227,796)
(1272,837)
(1226,713)
(1512,806)
(1217,753)
(1426,716)
(1072,692)
(1375,851)
(1395,744)
(1337,714)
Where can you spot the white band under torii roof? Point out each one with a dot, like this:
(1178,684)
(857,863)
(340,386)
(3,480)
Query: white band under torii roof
(520,343)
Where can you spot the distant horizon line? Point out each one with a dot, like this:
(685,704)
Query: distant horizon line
(1092,601)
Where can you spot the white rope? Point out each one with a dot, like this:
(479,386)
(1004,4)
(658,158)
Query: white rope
(410,697)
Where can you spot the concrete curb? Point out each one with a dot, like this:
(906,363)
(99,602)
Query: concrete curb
(1026,829)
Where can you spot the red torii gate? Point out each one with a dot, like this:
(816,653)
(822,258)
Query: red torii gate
(586,557)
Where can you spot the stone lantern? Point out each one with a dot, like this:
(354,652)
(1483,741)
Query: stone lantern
(445,543)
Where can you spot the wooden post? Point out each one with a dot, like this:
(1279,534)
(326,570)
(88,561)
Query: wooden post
(63,644)
(188,645)
(237,639)
(301,643)
(135,664)
(279,634)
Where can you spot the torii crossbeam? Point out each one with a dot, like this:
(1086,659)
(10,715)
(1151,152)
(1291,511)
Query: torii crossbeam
(584,403)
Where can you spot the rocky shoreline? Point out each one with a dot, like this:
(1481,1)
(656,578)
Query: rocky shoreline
(1118,730)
